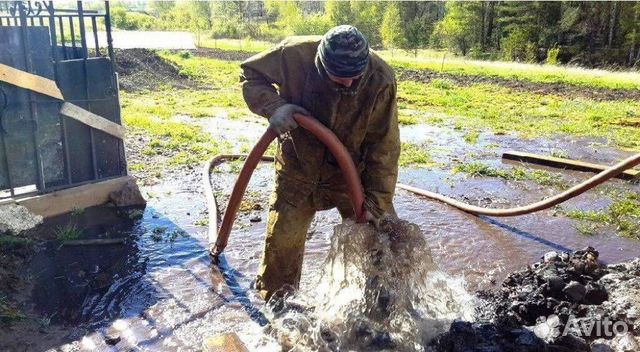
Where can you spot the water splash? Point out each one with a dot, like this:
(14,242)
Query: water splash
(379,290)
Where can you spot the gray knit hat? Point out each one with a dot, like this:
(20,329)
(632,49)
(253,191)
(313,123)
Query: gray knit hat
(344,51)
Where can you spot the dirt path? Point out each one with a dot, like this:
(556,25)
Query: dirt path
(561,89)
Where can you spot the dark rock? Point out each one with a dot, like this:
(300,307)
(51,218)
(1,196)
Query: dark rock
(552,303)
(255,218)
(595,294)
(545,296)
(601,345)
(112,338)
(556,284)
(575,291)
(128,195)
(529,339)
(575,343)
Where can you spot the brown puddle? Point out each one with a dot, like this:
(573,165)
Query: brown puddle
(159,292)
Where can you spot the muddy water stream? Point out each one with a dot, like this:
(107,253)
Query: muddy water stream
(159,291)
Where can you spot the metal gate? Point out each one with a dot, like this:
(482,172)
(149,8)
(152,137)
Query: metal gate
(40,149)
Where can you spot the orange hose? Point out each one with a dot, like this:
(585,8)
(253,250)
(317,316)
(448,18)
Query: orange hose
(342,156)
(541,205)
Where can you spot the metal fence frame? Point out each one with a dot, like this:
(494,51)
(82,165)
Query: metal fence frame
(25,14)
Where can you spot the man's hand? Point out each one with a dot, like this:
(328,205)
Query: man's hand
(282,120)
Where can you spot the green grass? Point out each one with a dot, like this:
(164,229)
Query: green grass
(11,242)
(623,213)
(556,153)
(433,60)
(477,106)
(152,114)
(221,74)
(405,119)
(501,110)
(415,155)
(477,169)
(587,215)
(68,232)
(471,137)
(518,71)
(8,313)
(248,45)
(77,211)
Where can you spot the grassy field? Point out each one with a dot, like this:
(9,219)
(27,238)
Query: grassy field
(501,110)
(472,107)
(442,101)
(236,44)
(446,63)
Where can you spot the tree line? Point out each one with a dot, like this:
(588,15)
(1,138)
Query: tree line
(591,33)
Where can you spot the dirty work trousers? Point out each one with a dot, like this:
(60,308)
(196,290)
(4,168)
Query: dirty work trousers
(287,228)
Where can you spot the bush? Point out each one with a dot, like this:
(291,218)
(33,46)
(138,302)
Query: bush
(141,21)
(477,54)
(227,29)
(122,19)
(552,55)
(311,25)
(270,33)
(518,47)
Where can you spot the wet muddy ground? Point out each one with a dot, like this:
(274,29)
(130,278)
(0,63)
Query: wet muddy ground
(158,291)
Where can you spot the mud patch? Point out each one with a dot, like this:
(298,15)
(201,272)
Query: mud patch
(561,89)
(143,69)
(229,55)
(567,302)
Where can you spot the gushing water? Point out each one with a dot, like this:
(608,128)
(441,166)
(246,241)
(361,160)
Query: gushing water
(379,289)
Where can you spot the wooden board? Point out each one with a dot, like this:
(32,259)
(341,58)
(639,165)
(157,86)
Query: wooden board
(29,81)
(90,119)
(229,342)
(61,202)
(565,163)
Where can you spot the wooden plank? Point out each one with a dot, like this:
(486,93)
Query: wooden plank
(95,242)
(228,342)
(90,119)
(29,81)
(61,202)
(565,163)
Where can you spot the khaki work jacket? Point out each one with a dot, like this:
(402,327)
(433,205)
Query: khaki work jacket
(364,117)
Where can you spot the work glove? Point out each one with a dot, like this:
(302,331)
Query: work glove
(282,120)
